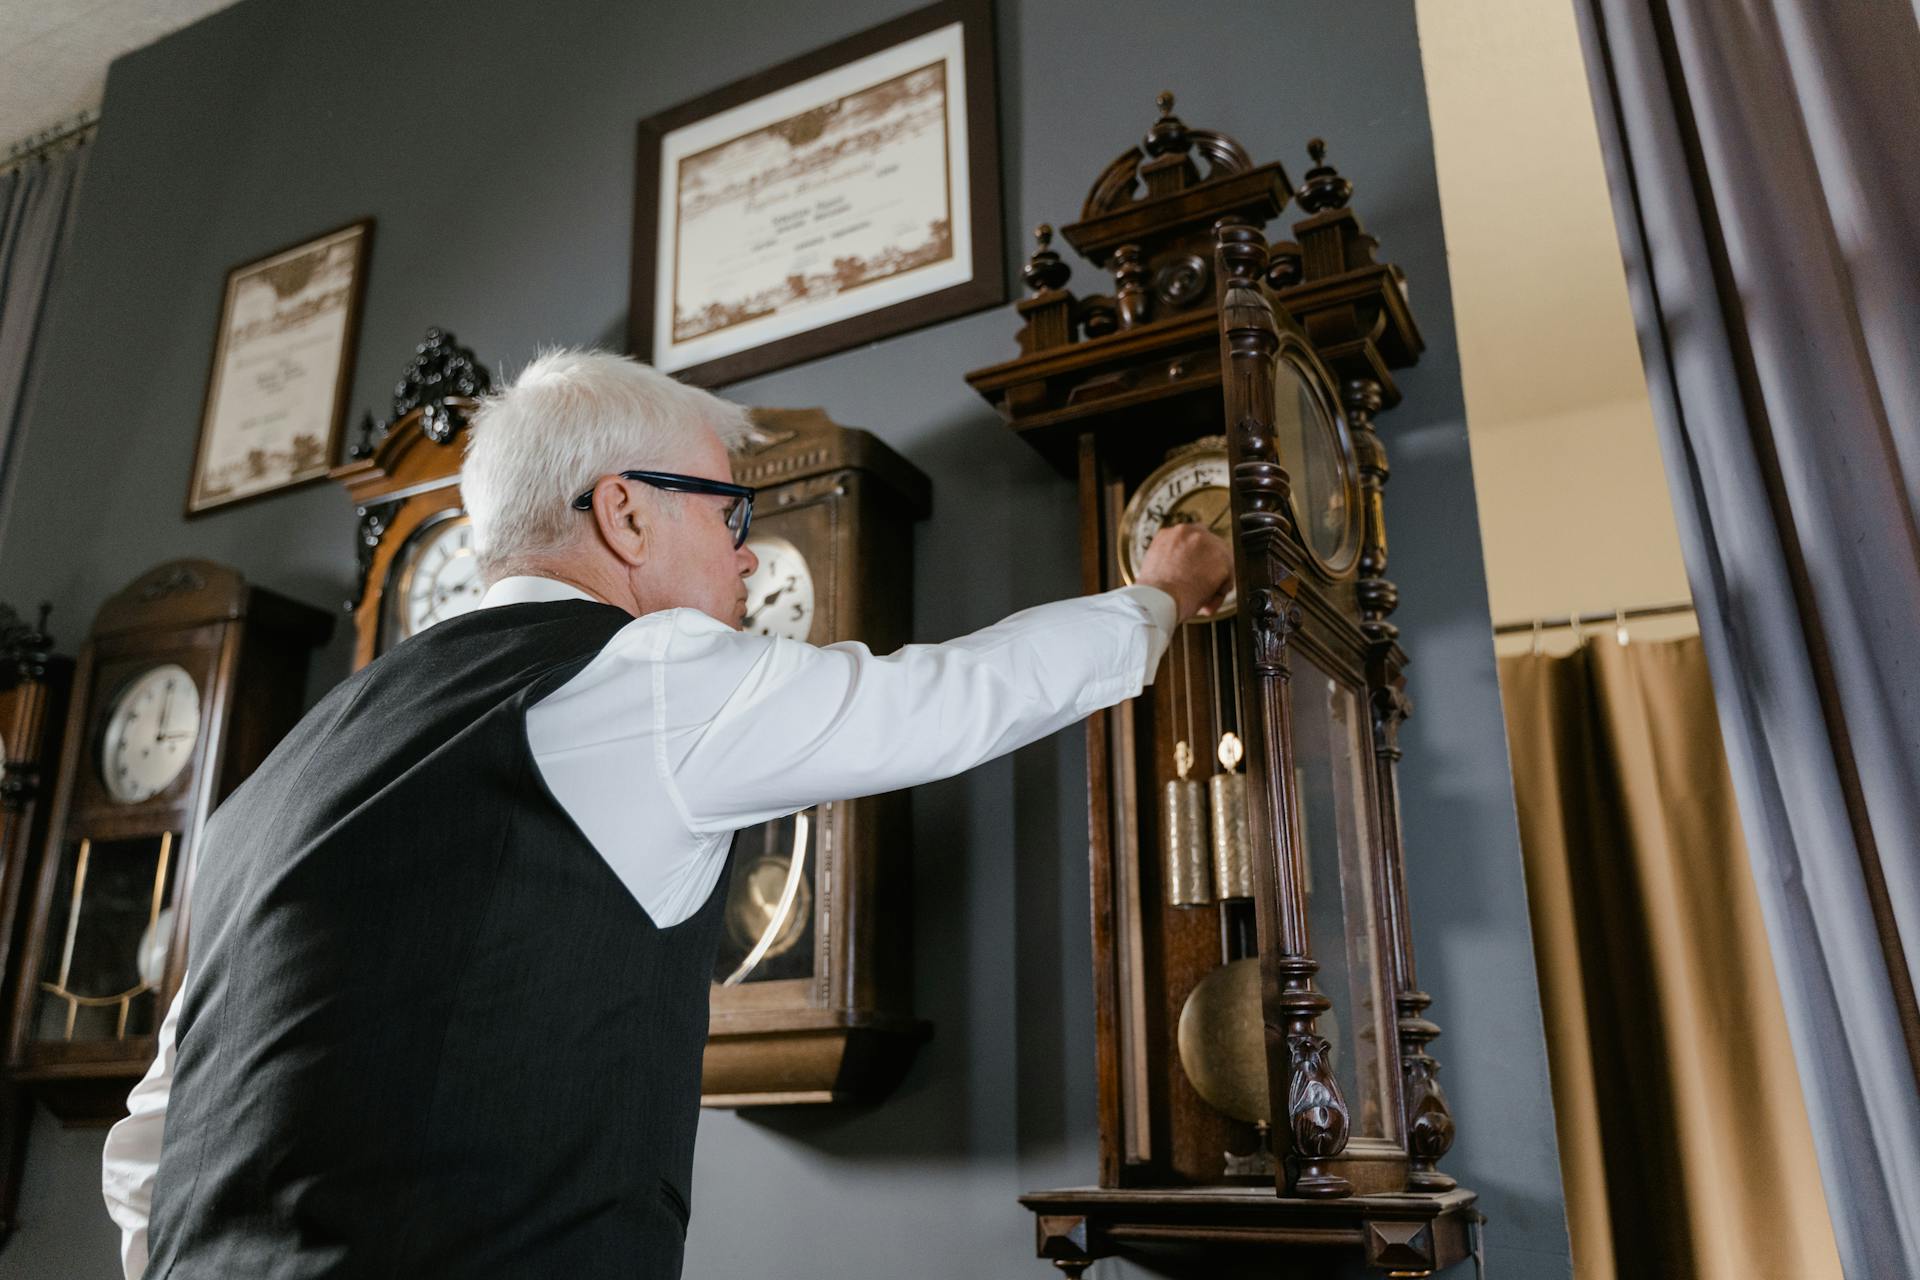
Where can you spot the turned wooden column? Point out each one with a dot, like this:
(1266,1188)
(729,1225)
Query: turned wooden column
(1316,1124)
(1427,1122)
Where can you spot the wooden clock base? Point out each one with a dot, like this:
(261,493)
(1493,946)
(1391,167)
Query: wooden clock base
(1402,1235)
(846,1058)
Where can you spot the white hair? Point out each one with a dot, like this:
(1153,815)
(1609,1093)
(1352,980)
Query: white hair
(569,418)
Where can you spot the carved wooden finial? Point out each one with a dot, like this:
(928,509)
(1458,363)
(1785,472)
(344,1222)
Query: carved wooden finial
(1169,133)
(1243,250)
(1045,269)
(364,447)
(1324,188)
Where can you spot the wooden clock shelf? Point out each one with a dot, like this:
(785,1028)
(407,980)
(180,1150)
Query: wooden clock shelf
(1406,1235)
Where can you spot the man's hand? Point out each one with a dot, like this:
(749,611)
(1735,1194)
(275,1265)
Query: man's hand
(1189,564)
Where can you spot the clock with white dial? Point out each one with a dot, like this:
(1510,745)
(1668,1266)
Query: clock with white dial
(1189,488)
(780,598)
(439,576)
(151,732)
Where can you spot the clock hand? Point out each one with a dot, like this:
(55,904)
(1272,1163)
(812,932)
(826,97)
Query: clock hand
(773,596)
(1217,524)
(160,728)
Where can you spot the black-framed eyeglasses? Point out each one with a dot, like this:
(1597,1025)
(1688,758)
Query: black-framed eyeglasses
(739,511)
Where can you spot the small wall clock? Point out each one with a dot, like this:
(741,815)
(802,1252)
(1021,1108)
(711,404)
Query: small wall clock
(188,679)
(416,543)
(813,984)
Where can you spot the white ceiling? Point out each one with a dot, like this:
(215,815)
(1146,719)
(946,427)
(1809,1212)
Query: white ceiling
(54,53)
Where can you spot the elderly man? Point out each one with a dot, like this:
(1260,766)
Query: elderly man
(452,941)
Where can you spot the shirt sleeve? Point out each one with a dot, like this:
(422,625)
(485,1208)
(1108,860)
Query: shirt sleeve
(132,1153)
(803,725)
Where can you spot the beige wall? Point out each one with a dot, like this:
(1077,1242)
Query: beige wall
(1573,501)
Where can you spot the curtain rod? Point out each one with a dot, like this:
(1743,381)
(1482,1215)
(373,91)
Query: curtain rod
(40,143)
(1591,619)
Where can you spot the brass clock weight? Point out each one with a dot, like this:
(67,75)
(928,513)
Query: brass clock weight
(1261,1039)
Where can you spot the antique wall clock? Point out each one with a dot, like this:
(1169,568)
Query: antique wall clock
(811,997)
(187,681)
(1261,1036)
(813,986)
(33,694)
(416,558)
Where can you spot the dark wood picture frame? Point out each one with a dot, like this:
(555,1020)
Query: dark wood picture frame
(986,286)
(343,373)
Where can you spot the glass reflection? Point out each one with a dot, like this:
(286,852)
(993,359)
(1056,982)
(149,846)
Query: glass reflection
(106,956)
(1332,778)
(768,926)
(1310,450)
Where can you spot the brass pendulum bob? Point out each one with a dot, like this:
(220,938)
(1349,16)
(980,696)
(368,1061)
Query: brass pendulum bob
(1232,857)
(1184,823)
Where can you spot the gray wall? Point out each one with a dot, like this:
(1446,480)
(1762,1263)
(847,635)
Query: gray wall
(493,142)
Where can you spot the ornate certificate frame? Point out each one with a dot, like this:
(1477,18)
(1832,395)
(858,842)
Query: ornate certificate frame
(282,369)
(848,195)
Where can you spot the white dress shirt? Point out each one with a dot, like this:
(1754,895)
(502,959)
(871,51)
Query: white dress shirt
(683,730)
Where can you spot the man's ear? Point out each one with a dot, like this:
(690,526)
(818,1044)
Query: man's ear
(619,520)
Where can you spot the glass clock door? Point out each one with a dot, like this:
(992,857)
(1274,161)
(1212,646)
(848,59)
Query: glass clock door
(1333,775)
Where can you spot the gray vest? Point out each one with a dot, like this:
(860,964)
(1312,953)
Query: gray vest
(429,1032)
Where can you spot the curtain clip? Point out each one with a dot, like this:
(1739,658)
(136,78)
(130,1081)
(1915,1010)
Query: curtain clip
(1538,627)
(1620,625)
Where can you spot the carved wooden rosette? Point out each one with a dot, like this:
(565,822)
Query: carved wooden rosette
(1317,1121)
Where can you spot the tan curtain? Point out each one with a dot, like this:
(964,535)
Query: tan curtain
(1684,1141)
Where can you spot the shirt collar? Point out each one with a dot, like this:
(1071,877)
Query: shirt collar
(528,589)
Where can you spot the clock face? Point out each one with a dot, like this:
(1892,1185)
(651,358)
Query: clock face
(1313,448)
(1191,488)
(439,578)
(150,734)
(780,590)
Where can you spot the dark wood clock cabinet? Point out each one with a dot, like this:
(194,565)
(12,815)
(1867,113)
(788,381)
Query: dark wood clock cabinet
(187,680)
(1262,1042)
(33,705)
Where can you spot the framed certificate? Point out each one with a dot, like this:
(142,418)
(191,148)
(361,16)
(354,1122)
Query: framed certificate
(848,195)
(282,364)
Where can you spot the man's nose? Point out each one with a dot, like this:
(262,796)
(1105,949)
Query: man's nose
(748,561)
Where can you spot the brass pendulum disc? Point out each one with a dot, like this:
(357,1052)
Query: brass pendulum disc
(1223,1042)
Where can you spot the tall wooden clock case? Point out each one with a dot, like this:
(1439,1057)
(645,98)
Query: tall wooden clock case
(33,705)
(811,997)
(1264,1080)
(189,678)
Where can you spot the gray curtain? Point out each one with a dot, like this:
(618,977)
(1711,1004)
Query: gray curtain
(1766,190)
(37,203)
